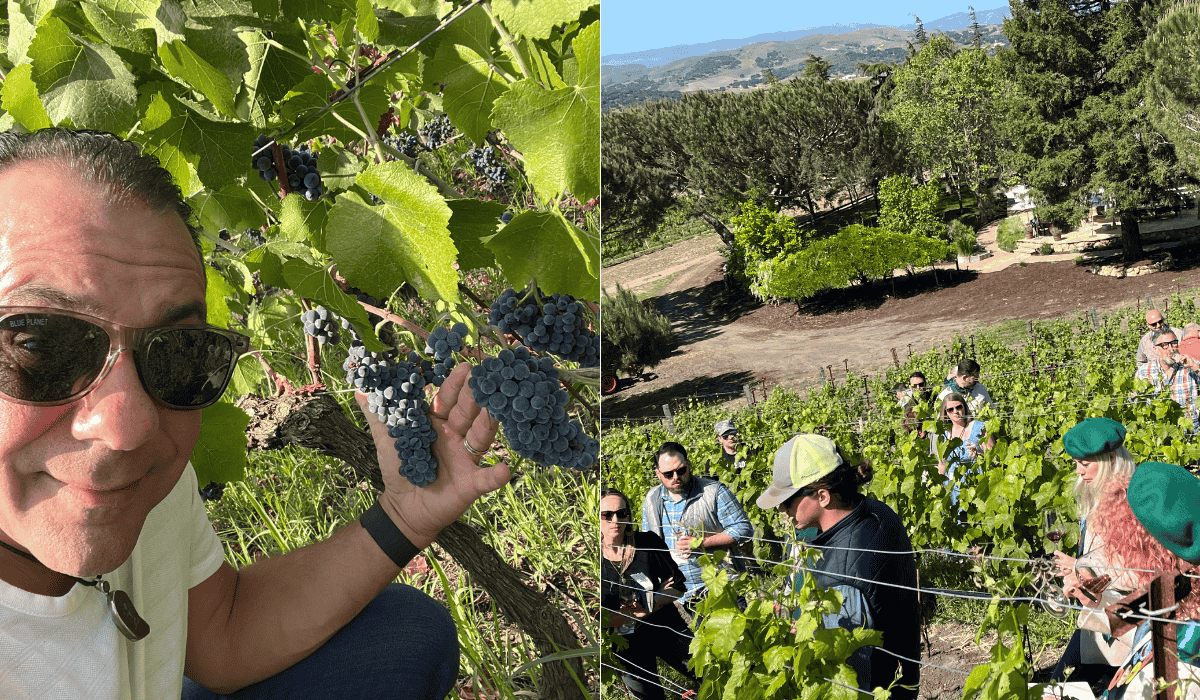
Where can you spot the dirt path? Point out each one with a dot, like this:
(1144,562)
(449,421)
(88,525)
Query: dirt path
(727,342)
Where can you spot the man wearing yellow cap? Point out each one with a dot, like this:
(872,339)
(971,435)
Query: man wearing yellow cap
(815,486)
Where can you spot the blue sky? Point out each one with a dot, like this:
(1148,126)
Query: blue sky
(638,25)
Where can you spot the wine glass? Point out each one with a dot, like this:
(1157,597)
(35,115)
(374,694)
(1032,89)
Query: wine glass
(1053,527)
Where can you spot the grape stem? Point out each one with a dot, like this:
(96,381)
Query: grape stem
(281,169)
(467,290)
(282,385)
(570,389)
(312,348)
(403,323)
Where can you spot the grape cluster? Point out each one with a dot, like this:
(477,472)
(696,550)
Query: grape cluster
(437,132)
(484,160)
(322,324)
(523,393)
(301,165)
(552,324)
(255,236)
(223,234)
(394,395)
(442,344)
(404,142)
(212,492)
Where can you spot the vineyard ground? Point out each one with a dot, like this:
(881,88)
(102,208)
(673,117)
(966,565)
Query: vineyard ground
(726,341)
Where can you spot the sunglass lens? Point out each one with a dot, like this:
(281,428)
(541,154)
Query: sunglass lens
(188,368)
(47,357)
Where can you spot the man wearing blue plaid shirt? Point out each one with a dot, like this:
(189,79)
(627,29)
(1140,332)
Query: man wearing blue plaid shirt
(683,508)
(1169,369)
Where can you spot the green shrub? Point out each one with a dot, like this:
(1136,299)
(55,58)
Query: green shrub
(963,237)
(638,333)
(1046,249)
(1011,230)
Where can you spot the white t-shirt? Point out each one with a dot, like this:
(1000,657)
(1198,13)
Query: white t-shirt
(67,647)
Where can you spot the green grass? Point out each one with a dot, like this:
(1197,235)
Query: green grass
(613,250)
(539,523)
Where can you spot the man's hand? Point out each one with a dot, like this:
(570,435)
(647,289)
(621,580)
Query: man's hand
(421,513)
(683,545)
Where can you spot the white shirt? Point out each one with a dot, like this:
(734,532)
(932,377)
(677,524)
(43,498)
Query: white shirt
(67,647)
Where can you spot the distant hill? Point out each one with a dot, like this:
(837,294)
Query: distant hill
(742,68)
(658,57)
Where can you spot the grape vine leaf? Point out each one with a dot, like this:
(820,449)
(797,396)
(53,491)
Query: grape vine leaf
(537,19)
(220,453)
(311,94)
(368,26)
(272,71)
(81,83)
(558,131)
(405,239)
(472,222)
(19,97)
(400,31)
(216,297)
(185,64)
(472,87)
(227,208)
(313,282)
(543,245)
(302,221)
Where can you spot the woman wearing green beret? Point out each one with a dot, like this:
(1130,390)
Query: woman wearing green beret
(1098,447)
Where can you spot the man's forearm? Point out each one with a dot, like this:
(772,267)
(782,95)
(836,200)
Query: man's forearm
(285,607)
(719,540)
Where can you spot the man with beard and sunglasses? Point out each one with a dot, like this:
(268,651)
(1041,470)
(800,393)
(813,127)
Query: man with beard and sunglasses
(693,514)
(113,583)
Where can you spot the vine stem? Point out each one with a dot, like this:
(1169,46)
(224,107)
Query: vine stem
(312,349)
(402,322)
(467,290)
(282,385)
(507,40)
(590,409)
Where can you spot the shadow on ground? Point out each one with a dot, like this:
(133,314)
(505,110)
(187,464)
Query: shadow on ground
(649,404)
(874,294)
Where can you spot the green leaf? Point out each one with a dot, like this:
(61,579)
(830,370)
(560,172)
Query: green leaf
(82,84)
(19,97)
(405,239)
(537,19)
(474,221)
(272,71)
(185,142)
(368,26)
(313,282)
(543,245)
(266,9)
(339,167)
(471,88)
(185,64)
(227,208)
(311,94)
(302,221)
(558,131)
(404,30)
(268,263)
(220,453)
(216,297)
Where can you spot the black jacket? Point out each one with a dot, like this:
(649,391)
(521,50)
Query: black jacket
(661,567)
(894,611)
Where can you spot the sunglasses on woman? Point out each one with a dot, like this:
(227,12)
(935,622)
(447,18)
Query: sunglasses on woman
(955,409)
(50,357)
(622,514)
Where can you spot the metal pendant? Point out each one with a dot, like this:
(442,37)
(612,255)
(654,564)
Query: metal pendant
(124,615)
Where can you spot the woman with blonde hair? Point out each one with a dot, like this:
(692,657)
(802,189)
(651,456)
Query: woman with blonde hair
(1098,447)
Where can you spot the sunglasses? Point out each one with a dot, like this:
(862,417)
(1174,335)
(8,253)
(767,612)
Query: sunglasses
(682,471)
(955,409)
(1167,344)
(918,385)
(50,357)
(1156,324)
(622,514)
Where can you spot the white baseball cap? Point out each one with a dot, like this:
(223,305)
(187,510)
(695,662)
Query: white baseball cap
(801,461)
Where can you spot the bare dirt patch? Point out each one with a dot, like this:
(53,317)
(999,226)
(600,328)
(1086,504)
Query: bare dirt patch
(727,341)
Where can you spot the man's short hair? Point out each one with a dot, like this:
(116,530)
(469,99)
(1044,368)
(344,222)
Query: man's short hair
(1156,334)
(967,367)
(918,375)
(102,160)
(671,448)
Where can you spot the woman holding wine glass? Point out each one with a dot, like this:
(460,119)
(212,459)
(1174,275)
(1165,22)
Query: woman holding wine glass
(1098,448)
(963,426)
(639,583)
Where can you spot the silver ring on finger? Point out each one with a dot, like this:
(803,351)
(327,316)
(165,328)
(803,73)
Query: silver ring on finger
(472,450)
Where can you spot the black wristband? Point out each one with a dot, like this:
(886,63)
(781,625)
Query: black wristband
(389,538)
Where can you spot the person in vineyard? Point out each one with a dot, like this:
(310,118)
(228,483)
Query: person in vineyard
(814,485)
(1145,348)
(639,582)
(964,380)
(693,513)
(1098,447)
(963,426)
(908,395)
(1149,526)
(98,256)
(920,386)
(1169,370)
(727,438)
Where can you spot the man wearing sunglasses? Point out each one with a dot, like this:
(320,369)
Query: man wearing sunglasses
(1169,370)
(105,358)
(681,507)
(1145,348)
